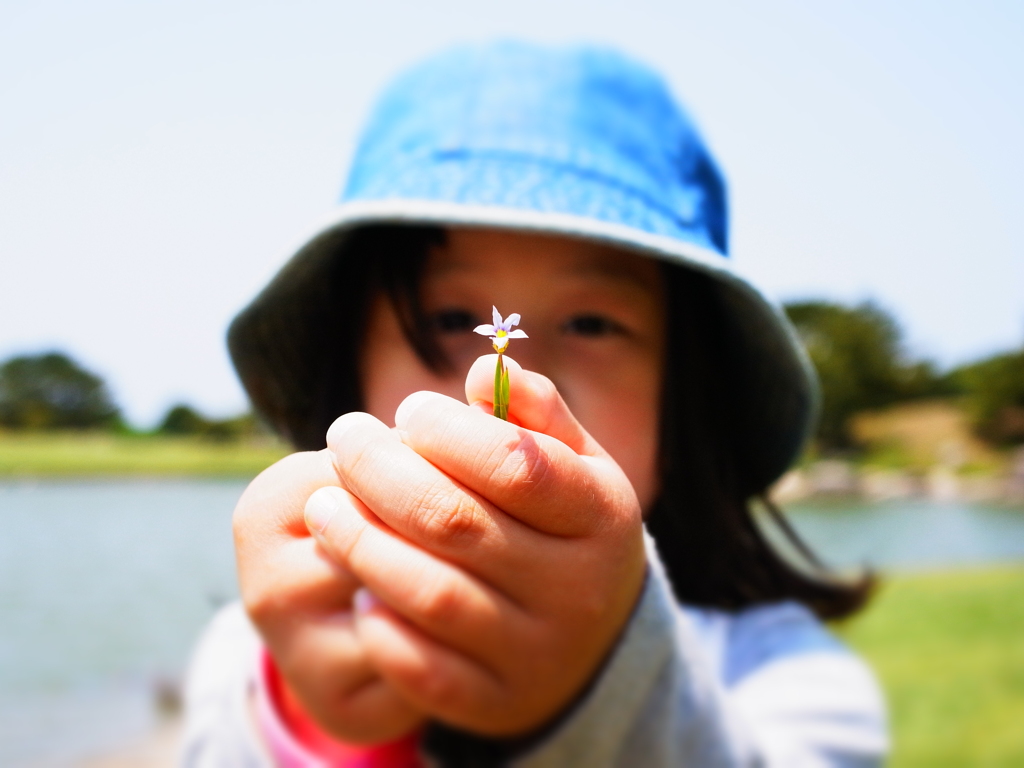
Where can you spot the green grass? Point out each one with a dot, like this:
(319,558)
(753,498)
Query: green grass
(86,455)
(949,649)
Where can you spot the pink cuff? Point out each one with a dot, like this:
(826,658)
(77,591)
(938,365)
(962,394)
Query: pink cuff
(288,752)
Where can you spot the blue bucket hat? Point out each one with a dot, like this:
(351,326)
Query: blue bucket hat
(581,142)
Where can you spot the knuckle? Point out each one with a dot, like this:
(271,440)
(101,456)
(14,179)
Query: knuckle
(437,688)
(550,399)
(522,466)
(263,605)
(445,514)
(439,601)
(362,463)
(276,485)
(269,597)
(623,517)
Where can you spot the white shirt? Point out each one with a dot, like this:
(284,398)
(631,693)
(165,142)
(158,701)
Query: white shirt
(766,686)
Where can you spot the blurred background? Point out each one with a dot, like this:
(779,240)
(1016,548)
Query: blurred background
(159,160)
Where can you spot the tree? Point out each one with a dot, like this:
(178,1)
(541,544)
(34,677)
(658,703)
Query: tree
(51,391)
(994,390)
(861,364)
(182,419)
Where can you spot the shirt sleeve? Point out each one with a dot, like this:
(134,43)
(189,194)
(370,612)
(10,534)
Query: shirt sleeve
(816,709)
(779,693)
(220,730)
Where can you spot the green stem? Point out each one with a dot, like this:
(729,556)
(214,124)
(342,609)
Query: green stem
(501,390)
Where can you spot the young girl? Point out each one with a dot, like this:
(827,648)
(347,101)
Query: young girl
(584,584)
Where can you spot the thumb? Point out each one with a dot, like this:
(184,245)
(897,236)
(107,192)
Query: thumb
(534,403)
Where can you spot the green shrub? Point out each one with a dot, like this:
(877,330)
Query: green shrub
(994,390)
(51,391)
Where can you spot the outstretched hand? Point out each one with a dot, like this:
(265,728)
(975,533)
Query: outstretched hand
(301,602)
(503,558)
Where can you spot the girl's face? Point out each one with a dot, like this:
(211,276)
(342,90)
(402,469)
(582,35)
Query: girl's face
(595,317)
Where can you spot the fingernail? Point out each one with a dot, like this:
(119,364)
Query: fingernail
(409,406)
(321,509)
(354,426)
(364,601)
(341,426)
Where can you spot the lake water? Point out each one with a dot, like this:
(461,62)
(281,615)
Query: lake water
(104,586)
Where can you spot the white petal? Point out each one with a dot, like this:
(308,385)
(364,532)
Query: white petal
(511,320)
(485,330)
(517,334)
(496,316)
(500,343)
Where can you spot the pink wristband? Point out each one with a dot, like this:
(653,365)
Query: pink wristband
(288,752)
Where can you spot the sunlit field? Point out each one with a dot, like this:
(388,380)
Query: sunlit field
(949,648)
(35,454)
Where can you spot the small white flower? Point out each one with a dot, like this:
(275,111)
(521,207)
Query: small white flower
(501,331)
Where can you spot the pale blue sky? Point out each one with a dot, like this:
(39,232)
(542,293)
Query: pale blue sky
(158,160)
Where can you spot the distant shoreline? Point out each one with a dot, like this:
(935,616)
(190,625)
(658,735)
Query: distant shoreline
(64,455)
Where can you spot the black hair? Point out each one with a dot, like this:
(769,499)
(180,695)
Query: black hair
(716,553)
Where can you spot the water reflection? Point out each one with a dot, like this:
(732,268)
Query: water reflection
(910,534)
(104,586)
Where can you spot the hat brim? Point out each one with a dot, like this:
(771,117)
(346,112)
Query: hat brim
(778,380)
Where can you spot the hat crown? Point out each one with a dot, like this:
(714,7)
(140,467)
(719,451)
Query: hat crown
(582,131)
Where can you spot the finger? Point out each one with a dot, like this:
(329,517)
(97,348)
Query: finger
(425,505)
(431,676)
(374,714)
(272,504)
(326,664)
(299,598)
(298,575)
(532,476)
(442,600)
(279,564)
(330,643)
(535,403)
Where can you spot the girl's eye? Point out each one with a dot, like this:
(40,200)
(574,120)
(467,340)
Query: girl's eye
(592,325)
(455,321)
